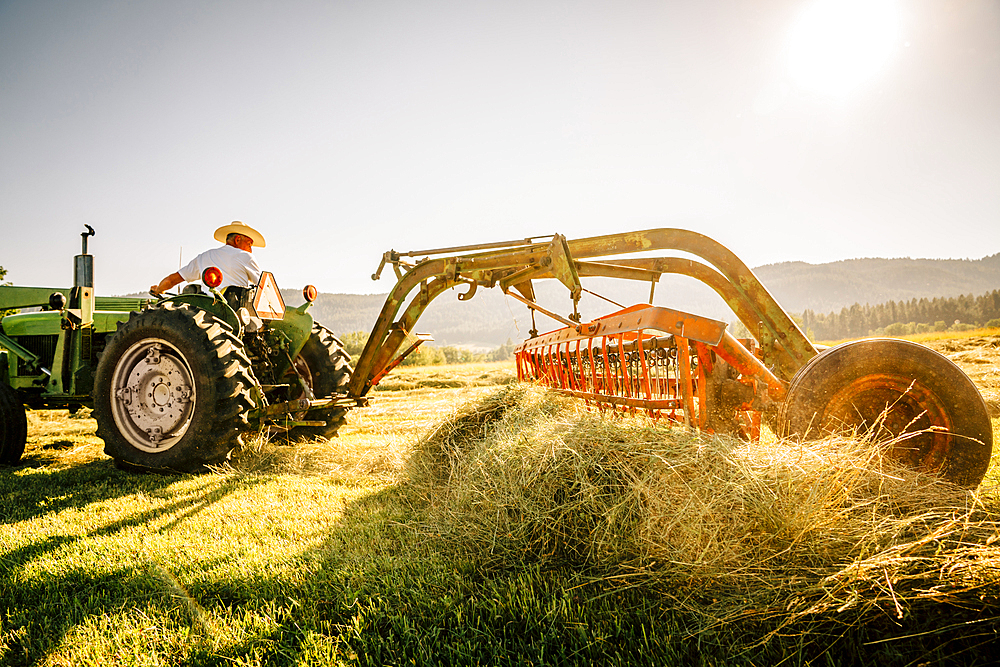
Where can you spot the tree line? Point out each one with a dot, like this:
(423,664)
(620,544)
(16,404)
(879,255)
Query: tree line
(898,318)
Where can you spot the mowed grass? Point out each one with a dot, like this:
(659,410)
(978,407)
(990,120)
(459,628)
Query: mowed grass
(461,519)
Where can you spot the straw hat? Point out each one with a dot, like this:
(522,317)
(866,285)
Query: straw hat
(237,227)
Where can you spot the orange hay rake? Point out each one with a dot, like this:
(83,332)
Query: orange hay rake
(620,362)
(689,369)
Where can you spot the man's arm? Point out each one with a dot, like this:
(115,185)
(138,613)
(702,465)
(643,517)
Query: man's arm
(254,272)
(188,273)
(172,280)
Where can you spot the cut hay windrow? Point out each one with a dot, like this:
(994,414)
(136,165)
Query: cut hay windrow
(730,529)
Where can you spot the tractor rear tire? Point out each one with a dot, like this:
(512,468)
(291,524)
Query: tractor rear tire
(13,426)
(172,390)
(885,388)
(330,369)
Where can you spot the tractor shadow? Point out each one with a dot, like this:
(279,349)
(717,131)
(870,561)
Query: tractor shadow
(35,489)
(37,612)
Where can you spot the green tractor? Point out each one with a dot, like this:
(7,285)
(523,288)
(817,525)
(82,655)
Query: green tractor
(174,382)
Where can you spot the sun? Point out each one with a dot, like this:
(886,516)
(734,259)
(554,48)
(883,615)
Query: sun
(835,46)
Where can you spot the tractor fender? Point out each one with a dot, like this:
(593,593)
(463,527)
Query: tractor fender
(216,305)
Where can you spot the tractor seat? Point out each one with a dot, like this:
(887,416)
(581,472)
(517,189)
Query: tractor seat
(237,297)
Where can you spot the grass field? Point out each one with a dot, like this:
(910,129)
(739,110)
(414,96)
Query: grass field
(932,337)
(406,541)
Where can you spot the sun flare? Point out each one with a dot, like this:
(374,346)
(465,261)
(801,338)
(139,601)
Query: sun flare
(836,45)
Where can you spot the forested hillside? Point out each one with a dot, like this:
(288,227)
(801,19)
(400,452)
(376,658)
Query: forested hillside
(897,318)
(483,322)
(828,287)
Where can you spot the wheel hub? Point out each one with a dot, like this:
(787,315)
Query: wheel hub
(153,396)
(896,409)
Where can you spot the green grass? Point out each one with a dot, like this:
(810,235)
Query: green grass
(338,553)
(103,568)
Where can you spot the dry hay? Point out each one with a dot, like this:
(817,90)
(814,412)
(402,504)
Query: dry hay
(979,357)
(730,530)
(450,377)
(59,438)
(344,459)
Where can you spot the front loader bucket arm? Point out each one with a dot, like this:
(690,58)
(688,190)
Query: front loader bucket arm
(433,276)
(388,337)
(515,264)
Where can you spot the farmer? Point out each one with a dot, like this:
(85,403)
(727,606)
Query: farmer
(233,259)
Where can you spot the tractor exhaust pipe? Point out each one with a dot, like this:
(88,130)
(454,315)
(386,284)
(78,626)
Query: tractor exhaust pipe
(83,269)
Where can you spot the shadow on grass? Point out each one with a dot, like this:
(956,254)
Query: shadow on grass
(31,491)
(401,603)
(378,592)
(36,612)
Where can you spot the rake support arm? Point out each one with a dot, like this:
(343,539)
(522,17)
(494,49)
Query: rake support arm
(515,264)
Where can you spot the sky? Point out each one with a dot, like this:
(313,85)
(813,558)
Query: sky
(789,131)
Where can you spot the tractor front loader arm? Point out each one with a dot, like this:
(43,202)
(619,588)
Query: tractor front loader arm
(515,264)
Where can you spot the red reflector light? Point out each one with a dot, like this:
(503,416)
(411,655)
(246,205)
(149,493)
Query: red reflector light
(212,277)
(309,293)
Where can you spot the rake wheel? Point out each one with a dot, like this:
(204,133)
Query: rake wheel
(907,395)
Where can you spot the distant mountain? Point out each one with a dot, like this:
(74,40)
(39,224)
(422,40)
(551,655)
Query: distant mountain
(490,318)
(827,287)
(482,322)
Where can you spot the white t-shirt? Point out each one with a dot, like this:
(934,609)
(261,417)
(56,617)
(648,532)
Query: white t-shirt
(238,267)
